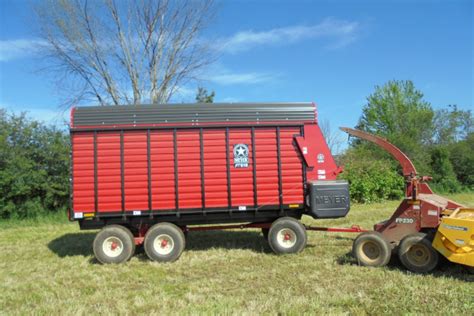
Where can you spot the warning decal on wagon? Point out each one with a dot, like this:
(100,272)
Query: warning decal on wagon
(241,156)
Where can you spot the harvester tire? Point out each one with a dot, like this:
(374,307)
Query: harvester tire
(164,242)
(114,244)
(371,250)
(287,235)
(417,254)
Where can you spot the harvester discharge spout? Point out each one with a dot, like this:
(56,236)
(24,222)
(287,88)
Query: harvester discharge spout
(407,166)
(414,184)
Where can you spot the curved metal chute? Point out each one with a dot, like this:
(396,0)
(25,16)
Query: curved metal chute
(405,162)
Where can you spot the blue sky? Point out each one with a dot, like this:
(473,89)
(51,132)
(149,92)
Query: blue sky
(329,52)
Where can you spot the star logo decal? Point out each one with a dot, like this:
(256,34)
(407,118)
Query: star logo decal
(241,150)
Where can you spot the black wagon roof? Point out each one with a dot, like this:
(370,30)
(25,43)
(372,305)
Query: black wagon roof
(191,114)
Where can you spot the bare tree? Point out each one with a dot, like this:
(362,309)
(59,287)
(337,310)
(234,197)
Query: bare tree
(124,52)
(333,138)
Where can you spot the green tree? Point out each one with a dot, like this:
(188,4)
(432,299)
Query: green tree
(398,112)
(203,96)
(452,125)
(443,174)
(34,167)
(461,155)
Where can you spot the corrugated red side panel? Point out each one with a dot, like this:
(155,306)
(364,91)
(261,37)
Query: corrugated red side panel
(267,166)
(162,169)
(189,169)
(241,178)
(83,172)
(109,184)
(135,170)
(291,167)
(215,170)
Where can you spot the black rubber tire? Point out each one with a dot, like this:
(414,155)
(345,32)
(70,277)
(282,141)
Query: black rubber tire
(295,230)
(176,236)
(123,234)
(265,232)
(417,254)
(371,250)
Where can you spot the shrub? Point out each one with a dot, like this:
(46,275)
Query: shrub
(461,155)
(372,180)
(34,167)
(444,178)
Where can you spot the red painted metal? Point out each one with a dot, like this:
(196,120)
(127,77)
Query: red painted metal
(223,227)
(138,240)
(352,229)
(316,154)
(188,182)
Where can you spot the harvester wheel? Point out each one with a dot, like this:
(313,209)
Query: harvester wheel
(417,254)
(287,235)
(164,242)
(114,244)
(371,250)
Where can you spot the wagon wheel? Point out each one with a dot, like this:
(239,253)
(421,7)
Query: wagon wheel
(287,235)
(417,254)
(114,244)
(164,242)
(371,249)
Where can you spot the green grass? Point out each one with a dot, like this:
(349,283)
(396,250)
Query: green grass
(48,268)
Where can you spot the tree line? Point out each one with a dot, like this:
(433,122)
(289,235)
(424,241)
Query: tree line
(439,142)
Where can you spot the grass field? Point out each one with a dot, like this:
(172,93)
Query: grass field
(48,268)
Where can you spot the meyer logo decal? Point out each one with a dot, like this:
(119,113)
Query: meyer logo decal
(241,156)
(331,199)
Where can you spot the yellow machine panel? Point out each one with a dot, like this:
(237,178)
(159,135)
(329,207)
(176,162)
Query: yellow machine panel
(455,237)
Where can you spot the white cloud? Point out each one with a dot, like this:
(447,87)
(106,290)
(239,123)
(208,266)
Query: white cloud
(339,32)
(19,48)
(221,75)
(229,100)
(241,78)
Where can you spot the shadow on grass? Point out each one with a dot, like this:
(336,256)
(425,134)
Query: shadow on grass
(444,269)
(75,244)
(343,238)
(80,244)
